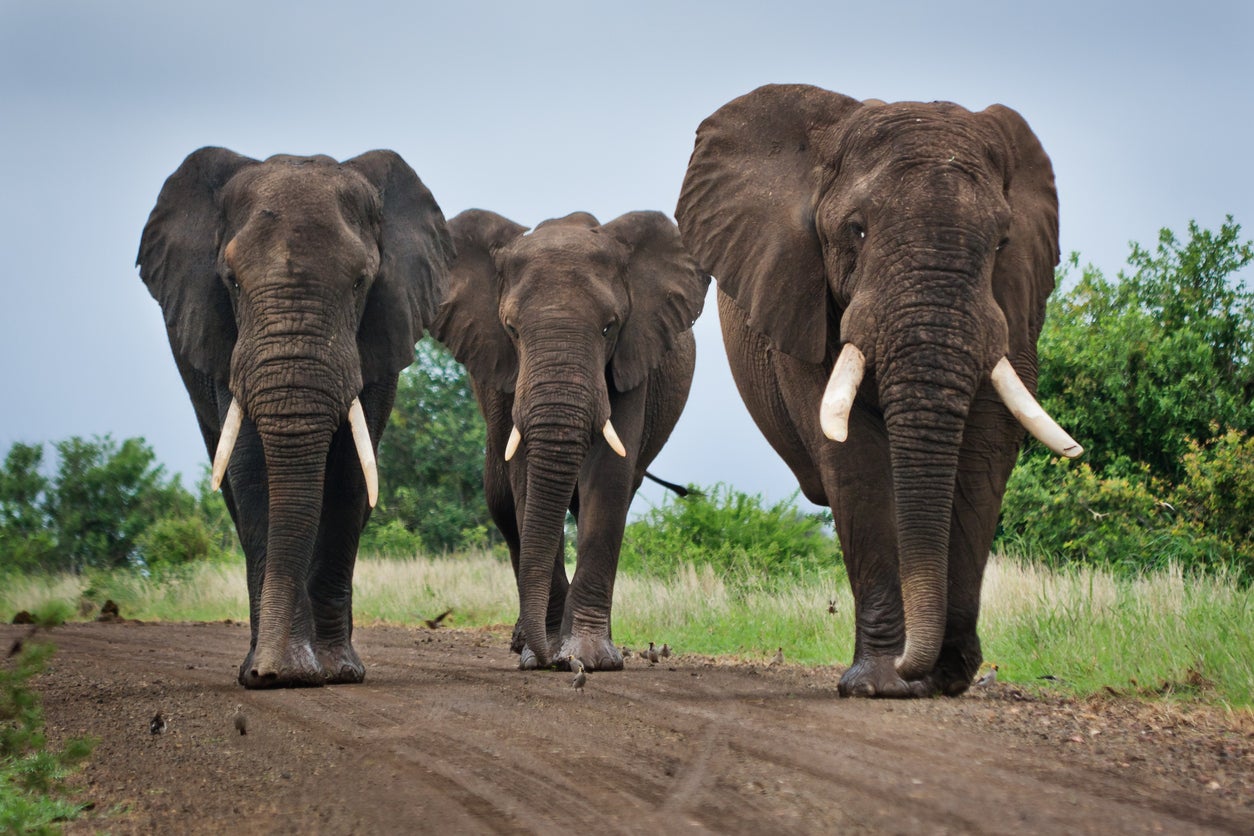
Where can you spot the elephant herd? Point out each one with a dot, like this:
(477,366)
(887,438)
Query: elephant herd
(882,274)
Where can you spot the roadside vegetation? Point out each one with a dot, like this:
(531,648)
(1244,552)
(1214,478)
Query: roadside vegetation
(33,789)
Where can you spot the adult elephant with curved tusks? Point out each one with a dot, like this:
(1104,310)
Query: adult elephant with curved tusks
(883,271)
(294,290)
(577,340)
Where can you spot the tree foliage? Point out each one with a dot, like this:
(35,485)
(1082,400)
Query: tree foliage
(1138,367)
(1154,374)
(431,462)
(107,505)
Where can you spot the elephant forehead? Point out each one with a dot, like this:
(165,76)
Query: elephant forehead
(913,132)
(289,210)
(564,249)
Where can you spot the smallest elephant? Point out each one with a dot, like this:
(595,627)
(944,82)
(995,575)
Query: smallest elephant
(578,341)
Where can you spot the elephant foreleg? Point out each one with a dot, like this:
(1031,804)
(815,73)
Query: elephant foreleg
(344,514)
(990,447)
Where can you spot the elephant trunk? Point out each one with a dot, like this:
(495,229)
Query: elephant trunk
(296,467)
(929,365)
(556,418)
(298,394)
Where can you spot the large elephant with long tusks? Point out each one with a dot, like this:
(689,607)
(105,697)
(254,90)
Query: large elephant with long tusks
(293,291)
(882,272)
(577,339)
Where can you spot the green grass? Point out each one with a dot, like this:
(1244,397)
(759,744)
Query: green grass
(1091,630)
(33,777)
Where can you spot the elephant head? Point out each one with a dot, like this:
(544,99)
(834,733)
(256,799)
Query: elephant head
(562,319)
(288,286)
(909,249)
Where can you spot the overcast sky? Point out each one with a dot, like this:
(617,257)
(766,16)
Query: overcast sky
(535,110)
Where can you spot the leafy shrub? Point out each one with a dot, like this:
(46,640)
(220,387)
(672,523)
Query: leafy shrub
(735,533)
(31,775)
(392,539)
(1134,368)
(1124,519)
(1154,375)
(176,541)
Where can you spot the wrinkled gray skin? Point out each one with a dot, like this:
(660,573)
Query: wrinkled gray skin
(295,285)
(926,235)
(561,329)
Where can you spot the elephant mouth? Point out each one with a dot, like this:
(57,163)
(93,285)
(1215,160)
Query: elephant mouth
(361,440)
(842,388)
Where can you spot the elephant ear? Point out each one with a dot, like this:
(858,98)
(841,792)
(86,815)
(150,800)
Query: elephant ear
(415,253)
(1025,266)
(178,256)
(469,322)
(746,210)
(667,289)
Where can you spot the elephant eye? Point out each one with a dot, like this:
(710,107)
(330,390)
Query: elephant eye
(511,330)
(858,230)
(231,280)
(1001,245)
(360,282)
(609,326)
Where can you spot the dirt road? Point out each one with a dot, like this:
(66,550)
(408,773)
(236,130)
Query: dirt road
(446,736)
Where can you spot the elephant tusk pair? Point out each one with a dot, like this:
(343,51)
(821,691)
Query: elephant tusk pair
(611,438)
(842,387)
(361,439)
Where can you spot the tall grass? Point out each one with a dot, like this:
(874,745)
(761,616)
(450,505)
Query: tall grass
(1086,628)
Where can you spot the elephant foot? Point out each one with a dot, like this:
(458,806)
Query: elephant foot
(597,653)
(529,661)
(340,664)
(294,667)
(957,666)
(876,676)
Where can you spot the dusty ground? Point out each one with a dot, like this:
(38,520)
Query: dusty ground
(446,736)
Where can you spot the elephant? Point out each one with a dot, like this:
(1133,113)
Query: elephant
(293,291)
(560,330)
(882,274)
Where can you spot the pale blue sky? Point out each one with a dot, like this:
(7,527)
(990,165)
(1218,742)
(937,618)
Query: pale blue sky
(536,110)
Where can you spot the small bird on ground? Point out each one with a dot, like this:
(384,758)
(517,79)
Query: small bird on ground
(240,720)
(778,658)
(157,726)
(988,678)
(651,654)
(626,651)
(433,623)
(831,606)
(581,676)
(665,652)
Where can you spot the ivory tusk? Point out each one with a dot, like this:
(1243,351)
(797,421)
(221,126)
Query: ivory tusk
(226,443)
(1029,413)
(511,446)
(842,388)
(612,438)
(365,452)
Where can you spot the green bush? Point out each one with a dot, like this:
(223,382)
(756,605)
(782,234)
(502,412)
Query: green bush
(31,775)
(1124,519)
(1154,375)
(737,534)
(1134,368)
(173,542)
